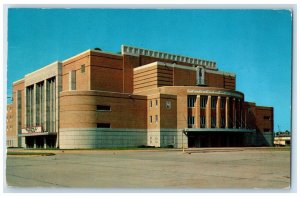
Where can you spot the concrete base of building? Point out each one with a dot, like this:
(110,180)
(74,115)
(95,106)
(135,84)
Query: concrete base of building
(167,138)
(229,139)
(12,142)
(86,138)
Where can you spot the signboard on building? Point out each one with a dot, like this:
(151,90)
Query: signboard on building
(37,129)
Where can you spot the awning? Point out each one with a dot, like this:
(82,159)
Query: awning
(37,134)
(211,130)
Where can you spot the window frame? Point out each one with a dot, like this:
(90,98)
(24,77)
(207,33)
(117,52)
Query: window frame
(82,68)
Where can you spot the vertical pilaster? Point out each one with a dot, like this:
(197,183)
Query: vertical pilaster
(25,111)
(45,106)
(197,112)
(208,112)
(218,113)
(233,113)
(50,106)
(34,106)
(227,113)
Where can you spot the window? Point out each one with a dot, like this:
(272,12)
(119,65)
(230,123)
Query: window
(156,118)
(150,104)
(82,68)
(213,122)
(200,75)
(213,102)
(249,110)
(150,119)
(72,80)
(103,108)
(267,117)
(103,125)
(156,102)
(202,121)
(191,121)
(222,122)
(203,100)
(267,130)
(191,101)
(223,103)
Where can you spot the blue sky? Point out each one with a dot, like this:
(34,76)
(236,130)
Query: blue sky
(254,44)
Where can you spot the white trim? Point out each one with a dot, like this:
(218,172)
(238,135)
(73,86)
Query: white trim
(90,50)
(19,80)
(56,63)
(130,50)
(165,64)
(221,73)
(218,92)
(105,52)
(76,55)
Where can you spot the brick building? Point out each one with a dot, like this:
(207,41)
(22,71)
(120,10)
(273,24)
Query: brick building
(139,97)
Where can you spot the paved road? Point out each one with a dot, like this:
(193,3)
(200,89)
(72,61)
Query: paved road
(205,168)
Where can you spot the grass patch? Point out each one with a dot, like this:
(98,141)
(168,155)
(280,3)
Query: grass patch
(30,153)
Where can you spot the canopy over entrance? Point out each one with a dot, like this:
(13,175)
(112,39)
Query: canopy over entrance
(217,137)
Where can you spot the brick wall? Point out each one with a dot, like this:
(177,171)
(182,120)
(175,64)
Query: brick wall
(264,119)
(79,110)
(75,63)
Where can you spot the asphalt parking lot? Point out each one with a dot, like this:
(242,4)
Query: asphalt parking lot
(235,168)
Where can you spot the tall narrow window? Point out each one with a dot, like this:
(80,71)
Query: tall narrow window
(223,103)
(82,68)
(29,106)
(191,121)
(200,75)
(19,114)
(156,102)
(222,122)
(191,101)
(150,119)
(213,102)
(203,100)
(202,123)
(72,80)
(150,103)
(156,118)
(213,122)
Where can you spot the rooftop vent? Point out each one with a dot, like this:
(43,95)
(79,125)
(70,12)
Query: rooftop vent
(97,49)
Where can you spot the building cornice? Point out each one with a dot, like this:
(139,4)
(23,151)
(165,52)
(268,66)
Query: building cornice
(130,50)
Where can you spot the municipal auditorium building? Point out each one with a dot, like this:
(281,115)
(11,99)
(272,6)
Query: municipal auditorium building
(138,97)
